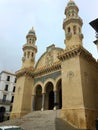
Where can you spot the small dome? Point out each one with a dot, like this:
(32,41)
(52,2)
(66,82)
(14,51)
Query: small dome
(31,32)
(71,3)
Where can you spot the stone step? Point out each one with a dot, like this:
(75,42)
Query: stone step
(41,120)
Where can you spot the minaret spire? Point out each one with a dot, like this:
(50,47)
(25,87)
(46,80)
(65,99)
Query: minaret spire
(72,25)
(29,50)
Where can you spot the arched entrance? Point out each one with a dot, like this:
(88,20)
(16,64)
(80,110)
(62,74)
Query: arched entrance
(38,98)
(2,112)
(59,94)
(49,102)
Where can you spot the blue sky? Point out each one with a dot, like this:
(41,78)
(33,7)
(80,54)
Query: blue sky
(46,16)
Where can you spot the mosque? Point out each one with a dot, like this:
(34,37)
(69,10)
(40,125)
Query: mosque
(62,79)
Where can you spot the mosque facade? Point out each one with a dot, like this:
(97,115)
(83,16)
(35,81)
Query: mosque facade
(65,79)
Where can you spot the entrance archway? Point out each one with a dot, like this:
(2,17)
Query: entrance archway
(38,98)
(49,102)
(59,93)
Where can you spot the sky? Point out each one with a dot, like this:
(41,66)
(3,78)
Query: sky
(17,17)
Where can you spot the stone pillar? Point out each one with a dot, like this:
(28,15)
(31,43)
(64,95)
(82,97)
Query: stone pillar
(33,102)
(43,102)
(55,100)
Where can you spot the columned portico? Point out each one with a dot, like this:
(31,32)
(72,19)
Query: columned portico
(47,96)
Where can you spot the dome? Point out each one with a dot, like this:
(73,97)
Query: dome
(32,32)
(49,57)
(71,3)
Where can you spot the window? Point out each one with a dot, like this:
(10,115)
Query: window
(4,98)
(8,78)
(15,80)
(68,29)
(14,89)
(12,99)
(74,29)
(6,87)
(10,108)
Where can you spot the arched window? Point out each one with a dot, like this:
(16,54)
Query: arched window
(24,54)
(32,54)
(74,29)
(68,29)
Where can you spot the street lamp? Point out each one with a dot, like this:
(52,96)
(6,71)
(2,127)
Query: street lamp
(94,25)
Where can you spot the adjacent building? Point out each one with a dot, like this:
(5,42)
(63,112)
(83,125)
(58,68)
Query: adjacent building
(7,89)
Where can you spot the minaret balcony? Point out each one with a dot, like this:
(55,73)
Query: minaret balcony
(72,20)
(30,46)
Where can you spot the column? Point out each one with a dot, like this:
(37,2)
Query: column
(43,102)
(55,100)
(33,102)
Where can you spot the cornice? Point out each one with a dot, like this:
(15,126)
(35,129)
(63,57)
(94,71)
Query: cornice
(40,71)
(25,71)
(47,69)
(77,50)
(69,20)
(30,46)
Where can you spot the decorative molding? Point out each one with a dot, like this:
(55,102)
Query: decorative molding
(47,69)
(78,50)
(40,71)
(25,71)
(70,74)
(42,79)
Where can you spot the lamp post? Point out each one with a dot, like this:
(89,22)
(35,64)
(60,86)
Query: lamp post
(94,25)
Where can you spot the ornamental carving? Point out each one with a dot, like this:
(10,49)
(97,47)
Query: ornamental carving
(70,75)
(49,58)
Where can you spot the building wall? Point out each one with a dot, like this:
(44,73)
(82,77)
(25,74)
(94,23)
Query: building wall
(7,88)
(80,90)
(23,104)
(89,75)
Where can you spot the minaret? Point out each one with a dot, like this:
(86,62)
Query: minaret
(29,50)
(72,25)
(24,85)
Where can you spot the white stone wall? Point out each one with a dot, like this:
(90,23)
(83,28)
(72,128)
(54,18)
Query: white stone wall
(9,93)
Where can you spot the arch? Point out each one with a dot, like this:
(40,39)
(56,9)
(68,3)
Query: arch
(35,86)
(59,93)
(2,112)
(46,82)
(49,102)
(59,78)
(38,97)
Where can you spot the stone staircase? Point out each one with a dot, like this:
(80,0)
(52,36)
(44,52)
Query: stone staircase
(41,120)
